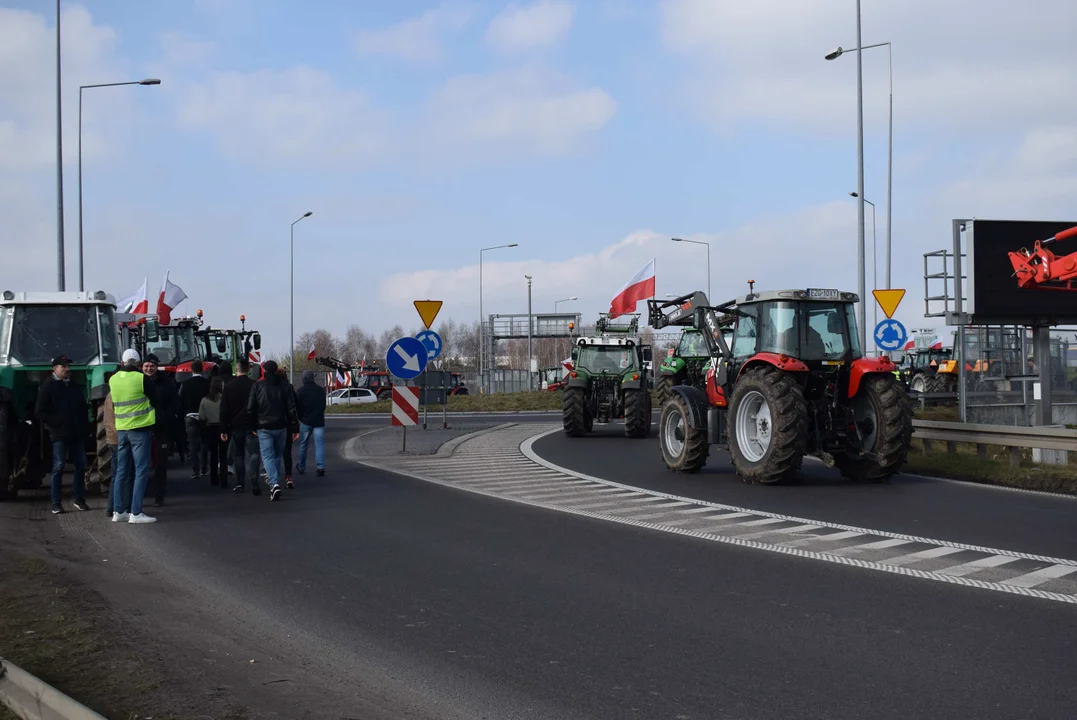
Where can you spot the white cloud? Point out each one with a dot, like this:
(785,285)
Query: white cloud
(416,39)
(525,108)
(288,115)
(180,51)
(540,24)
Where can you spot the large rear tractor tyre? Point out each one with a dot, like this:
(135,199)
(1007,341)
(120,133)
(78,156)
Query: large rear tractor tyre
(883,415)
(7,438)
(574,415)
(637,413)
(768,419)
(684,448)
(662,389)
(101,463)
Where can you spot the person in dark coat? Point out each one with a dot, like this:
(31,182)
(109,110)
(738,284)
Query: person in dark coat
(272,406)
(167,412)
(287,456)
(191,393)
(62,408)
(237,427)
(310,407)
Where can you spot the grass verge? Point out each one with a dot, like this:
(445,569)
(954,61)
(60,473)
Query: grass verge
(995,469)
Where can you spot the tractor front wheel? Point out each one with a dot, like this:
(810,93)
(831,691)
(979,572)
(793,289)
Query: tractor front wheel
(684,448)
(769,426)
(919,383)
(883,417)
(7,437)
(575,418)
(663,387)
(101,462)
(637,413)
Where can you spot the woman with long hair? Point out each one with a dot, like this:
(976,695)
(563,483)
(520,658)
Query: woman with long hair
(209,413)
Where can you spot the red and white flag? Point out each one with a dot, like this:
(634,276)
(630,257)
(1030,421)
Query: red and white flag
(342,379)
(171,296)
(311,355)
(137,304)
(640,287)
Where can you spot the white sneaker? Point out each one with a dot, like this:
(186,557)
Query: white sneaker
(141,518)
(121,517)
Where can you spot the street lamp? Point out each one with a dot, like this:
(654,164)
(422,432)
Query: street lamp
(147,81)
(874,255)
(482,320)
(291,249)
(861,314)
(708,245)
(834,55)
(530,362)
(61,280)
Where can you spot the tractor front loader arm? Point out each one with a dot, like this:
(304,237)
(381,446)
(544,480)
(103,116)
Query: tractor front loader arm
(1041,268)
(332,362)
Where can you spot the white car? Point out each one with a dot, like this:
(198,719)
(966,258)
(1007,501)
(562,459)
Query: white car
(351,396)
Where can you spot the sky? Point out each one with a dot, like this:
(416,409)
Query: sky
(587,132)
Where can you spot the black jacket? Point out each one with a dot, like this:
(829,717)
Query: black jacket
(272,405)
(62,408)
(310,404)
(234,405)
(166,406)
(191,393)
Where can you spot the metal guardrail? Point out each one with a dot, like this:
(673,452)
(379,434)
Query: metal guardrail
(1044,438)
(33,699)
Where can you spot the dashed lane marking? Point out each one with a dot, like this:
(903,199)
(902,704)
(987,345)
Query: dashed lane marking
(502,463)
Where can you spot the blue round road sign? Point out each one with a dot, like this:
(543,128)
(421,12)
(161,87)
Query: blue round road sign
(431,341)
(890,335)
(406,358)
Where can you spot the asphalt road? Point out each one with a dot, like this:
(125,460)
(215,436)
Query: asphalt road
(946,510)
(503,611)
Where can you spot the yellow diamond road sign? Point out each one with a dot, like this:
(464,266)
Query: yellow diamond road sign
(888,300)
(429,309)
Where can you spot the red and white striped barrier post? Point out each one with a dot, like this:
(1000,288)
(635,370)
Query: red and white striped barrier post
(405,410)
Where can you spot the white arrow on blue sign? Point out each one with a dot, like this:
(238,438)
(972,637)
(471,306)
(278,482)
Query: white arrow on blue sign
(406,358)
(431,341)
(890,335)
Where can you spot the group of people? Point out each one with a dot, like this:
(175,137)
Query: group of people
(232,423)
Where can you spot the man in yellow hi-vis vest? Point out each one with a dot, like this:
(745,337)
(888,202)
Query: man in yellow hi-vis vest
(133,398)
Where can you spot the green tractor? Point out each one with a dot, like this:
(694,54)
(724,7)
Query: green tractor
(34,328)
(608,381)
(688,363)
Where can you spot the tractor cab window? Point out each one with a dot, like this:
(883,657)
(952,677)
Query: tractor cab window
(825,336)
(779,332)
(106,321)
(744,336)
(40,333)
(614,359)
(693,344)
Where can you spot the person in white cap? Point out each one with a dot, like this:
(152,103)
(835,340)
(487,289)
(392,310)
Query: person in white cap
(133,398)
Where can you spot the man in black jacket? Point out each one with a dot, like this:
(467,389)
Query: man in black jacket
(191,393)
(166,412)
(272,407)
(62,408)
(238,426)
(310,407)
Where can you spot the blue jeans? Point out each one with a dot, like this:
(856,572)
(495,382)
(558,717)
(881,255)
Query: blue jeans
(119,498)
(305,431)
(134,456)
(61,450)
(271,442)
(245,453)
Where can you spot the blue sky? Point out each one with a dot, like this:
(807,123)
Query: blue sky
(589,132)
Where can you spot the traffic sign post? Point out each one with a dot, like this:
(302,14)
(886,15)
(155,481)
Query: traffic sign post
(431,341)
(888,300)
(428,310)
(889,335)
(406,358)
(405,410)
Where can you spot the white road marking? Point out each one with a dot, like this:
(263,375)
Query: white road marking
(1032,579)
(977,565)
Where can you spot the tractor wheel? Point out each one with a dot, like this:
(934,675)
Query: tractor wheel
(947,383)
(7,437)
(883,415)
(637,413)
(684,448)
(101,462)
(769,426)
(576,419)
(919,383)
(663,389)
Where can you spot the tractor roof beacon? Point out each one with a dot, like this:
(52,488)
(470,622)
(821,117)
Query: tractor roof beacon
(794,382)
(608,380)
(35,327)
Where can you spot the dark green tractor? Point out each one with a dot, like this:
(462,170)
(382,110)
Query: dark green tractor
(685,364)
(34,328)
(608,382)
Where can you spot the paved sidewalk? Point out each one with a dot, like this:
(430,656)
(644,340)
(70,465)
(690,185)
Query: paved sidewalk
(388,441)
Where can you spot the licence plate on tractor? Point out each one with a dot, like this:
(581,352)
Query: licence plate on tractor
(817,294)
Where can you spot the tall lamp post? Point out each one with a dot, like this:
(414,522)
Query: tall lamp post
(147,81)
(874,257)
(556,310)
(61,282)
(530,376)
(291,292)
(834,55)
(482,320)
(708,245)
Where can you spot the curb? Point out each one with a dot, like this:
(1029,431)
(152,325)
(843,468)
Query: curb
(34,699)
(445,450)
(457,413)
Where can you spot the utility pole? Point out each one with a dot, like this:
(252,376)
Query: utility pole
(61,282)
(530,357)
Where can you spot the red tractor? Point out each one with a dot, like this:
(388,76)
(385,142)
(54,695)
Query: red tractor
(1041,268)
(176,345)
(794,383)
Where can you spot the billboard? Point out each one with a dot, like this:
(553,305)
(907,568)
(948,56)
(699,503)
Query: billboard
(993,292)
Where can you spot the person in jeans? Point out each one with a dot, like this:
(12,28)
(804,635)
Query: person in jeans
(62,408)
(209,416)
(272,407)
(310,407)
(191,393)
(238,426)
(116,503)
(287,456)
(133,398)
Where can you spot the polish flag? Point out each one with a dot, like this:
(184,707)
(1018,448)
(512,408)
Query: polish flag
(171,296)
(640,287)
(137,304)
(342,379)
(311,354)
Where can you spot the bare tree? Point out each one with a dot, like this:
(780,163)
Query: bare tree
(354,340)
(386,339)
(324,344)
